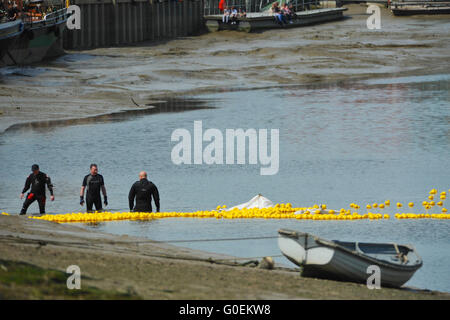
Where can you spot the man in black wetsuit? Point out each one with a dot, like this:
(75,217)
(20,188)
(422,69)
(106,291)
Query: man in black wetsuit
(36,181)
(143,190)
(92,183)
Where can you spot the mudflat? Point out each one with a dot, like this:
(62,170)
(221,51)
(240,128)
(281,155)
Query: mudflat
(140,268)
(97,82)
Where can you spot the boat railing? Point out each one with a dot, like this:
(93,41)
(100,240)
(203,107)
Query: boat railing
(211,7)
(52,18)
(56,15)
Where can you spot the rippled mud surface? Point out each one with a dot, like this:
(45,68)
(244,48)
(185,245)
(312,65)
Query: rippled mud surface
(100,81)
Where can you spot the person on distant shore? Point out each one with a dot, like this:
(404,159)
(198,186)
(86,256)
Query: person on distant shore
(272,9)
(292,10)
(226,15)
(143,190)
(50,9)
(286,12)
(242,13)
(93,183)
(234,15)
(36,182)
(279,17)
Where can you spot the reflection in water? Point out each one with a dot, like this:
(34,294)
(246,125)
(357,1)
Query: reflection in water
(95,225)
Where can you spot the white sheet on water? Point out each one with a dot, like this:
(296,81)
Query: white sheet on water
(256,202)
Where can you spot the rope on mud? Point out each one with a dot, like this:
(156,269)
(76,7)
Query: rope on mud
(44,242)
(226,261)
(222,261)
(211,240)
(157,241)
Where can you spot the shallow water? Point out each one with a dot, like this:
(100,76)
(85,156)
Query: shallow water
(359,141)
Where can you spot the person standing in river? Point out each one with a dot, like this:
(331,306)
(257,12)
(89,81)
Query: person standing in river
(143,190)
(93,183)
(36,182)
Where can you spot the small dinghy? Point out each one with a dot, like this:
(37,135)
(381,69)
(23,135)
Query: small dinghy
(348,261)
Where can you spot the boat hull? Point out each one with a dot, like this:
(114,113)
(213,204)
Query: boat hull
(38,40)
(4,45)
(34,45)
(9,33)
(330,260)
(344,267)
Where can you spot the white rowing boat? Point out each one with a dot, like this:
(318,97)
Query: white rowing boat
(349,261)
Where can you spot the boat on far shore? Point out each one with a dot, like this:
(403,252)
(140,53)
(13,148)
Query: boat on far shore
(34,36)
(415,7)
(349,261)
(308,13)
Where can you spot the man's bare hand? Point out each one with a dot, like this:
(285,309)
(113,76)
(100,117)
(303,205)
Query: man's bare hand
(21,196)
(52,198)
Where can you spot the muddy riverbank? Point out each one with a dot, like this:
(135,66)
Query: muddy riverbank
(151,270)
(103,81)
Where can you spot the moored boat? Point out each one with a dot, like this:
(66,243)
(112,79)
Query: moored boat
(262,20)
(349,261)
(40,36)
(415,7)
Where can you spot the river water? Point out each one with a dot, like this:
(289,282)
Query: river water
(359,141)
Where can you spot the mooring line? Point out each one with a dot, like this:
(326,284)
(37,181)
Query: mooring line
(161,241)
(224,261)
(223,239)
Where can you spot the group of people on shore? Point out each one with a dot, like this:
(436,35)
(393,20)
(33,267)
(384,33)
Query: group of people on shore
(284,14)
(230,15)
(142,191)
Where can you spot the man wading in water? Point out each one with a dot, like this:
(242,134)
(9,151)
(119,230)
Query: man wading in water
(143,190)
(37,181)
(93,182)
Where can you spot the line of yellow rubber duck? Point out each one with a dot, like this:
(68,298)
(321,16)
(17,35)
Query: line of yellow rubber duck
(279,211)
